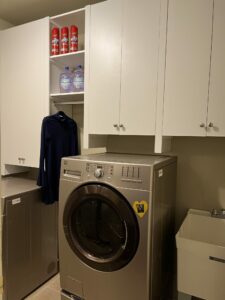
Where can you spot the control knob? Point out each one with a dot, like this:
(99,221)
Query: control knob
(99,173)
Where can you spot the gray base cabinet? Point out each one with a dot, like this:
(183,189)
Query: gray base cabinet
(30,255)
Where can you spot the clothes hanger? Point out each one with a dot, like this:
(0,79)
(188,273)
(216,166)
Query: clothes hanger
(61,114)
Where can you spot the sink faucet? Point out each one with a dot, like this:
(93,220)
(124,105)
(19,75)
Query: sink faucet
(218,213)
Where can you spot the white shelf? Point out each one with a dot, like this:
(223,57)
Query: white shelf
(71,59)
(66,94)
(67,97)
(59,56)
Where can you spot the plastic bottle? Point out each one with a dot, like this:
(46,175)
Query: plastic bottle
(65,81)
(78,79)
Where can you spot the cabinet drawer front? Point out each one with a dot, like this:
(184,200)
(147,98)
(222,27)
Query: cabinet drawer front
(187,67)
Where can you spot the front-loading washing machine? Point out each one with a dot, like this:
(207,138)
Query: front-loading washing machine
(116,216)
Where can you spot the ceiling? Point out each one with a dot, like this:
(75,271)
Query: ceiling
(22,11)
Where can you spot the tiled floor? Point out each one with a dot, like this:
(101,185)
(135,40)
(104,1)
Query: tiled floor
(49,291)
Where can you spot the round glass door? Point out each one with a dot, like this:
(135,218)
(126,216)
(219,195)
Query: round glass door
(101,227)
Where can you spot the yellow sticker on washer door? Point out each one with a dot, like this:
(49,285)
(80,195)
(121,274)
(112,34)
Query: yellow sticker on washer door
(140,208)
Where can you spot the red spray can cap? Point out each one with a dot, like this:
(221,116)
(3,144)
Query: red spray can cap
(73,29)
(64,31)
(55,31)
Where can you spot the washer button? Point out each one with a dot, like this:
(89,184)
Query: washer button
(136,172)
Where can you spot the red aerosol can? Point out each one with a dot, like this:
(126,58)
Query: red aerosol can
(64,44)
(73,38)
(55,41)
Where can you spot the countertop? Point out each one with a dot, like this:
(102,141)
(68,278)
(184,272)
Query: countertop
(12,186)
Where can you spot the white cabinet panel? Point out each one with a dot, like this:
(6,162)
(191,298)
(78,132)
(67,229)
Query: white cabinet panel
(216,106)
(105,67)
(187,67)
(24,91)
(140,44)
(122,86)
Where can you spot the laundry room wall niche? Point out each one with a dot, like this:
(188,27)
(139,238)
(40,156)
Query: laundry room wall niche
(200,169)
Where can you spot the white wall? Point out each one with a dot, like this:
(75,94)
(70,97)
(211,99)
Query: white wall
(200,172)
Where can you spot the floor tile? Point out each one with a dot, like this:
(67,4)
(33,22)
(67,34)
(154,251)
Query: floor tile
(45,294)
(48,291)
(54,283)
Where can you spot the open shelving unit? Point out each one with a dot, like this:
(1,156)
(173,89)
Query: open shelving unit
(73,104)
(71,59)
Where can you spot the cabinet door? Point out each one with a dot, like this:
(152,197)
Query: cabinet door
(16,247)
(216,109)
(105,67)
(24,91)
(187,67)
(140,46)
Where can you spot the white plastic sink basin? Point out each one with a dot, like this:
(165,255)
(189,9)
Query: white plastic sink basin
(204,229)
(201,256)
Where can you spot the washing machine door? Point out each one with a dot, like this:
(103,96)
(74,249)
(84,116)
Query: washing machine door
(101,227)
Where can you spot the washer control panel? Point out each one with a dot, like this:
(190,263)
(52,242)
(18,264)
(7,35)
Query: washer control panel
(99,170)
(123,175)
(109,172)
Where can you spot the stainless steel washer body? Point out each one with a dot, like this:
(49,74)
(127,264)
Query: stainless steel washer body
(116,216)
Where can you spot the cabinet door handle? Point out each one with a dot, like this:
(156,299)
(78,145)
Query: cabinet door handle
(211,125)
(21,160)
(202,125)
(121,126)
(115,125)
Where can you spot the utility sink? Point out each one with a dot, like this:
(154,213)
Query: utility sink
(201,256)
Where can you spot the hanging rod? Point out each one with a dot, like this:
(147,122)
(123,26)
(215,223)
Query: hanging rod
(68,102)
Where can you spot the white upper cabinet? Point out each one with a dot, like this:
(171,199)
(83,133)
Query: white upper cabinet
(105,67)
(139,66)
(24,90)
(187,67)
(124,45)
(216,106)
